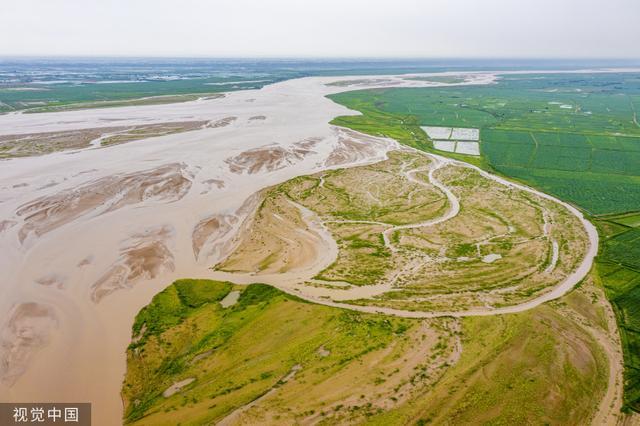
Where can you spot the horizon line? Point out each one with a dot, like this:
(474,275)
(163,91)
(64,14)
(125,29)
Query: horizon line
(322,57)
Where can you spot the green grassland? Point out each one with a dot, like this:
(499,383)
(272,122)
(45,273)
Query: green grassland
(353,368)
(515,369)
(238,353)
(624,249)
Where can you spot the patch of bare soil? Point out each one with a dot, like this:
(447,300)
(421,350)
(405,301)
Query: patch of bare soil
(218,183)
(135,133)
(26,331)
(213,227)
(32,144)
(44,143)
(144,256)
(52,280)
(383,380)
(223,122)
(215,232)
(271,157)
(275,239)
(235,415)
(177,386)
(210,184)
(352,147)
(589,307)
(6,224)
(306,146)
(85,262)
(166,183)
(463,253)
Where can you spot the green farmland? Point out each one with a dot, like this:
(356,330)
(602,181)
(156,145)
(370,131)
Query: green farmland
(624,249)
(619,270)
(601,174)
(575,136)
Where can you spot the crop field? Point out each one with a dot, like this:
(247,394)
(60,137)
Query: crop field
(603,103)
(619,268)
(574,136)
(405,128)
(624,249)
(305,363)
(599,174)
(619,271)
(632,220)
(622,285)
(401,127)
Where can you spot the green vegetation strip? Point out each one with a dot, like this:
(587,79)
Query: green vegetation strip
(33,98)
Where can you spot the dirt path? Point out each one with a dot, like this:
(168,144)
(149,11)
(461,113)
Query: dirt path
(454,206)
(454,203)
(633,110)
(610,405)
(609,409)
(233,417)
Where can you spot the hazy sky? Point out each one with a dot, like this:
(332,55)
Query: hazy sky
(360,28)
